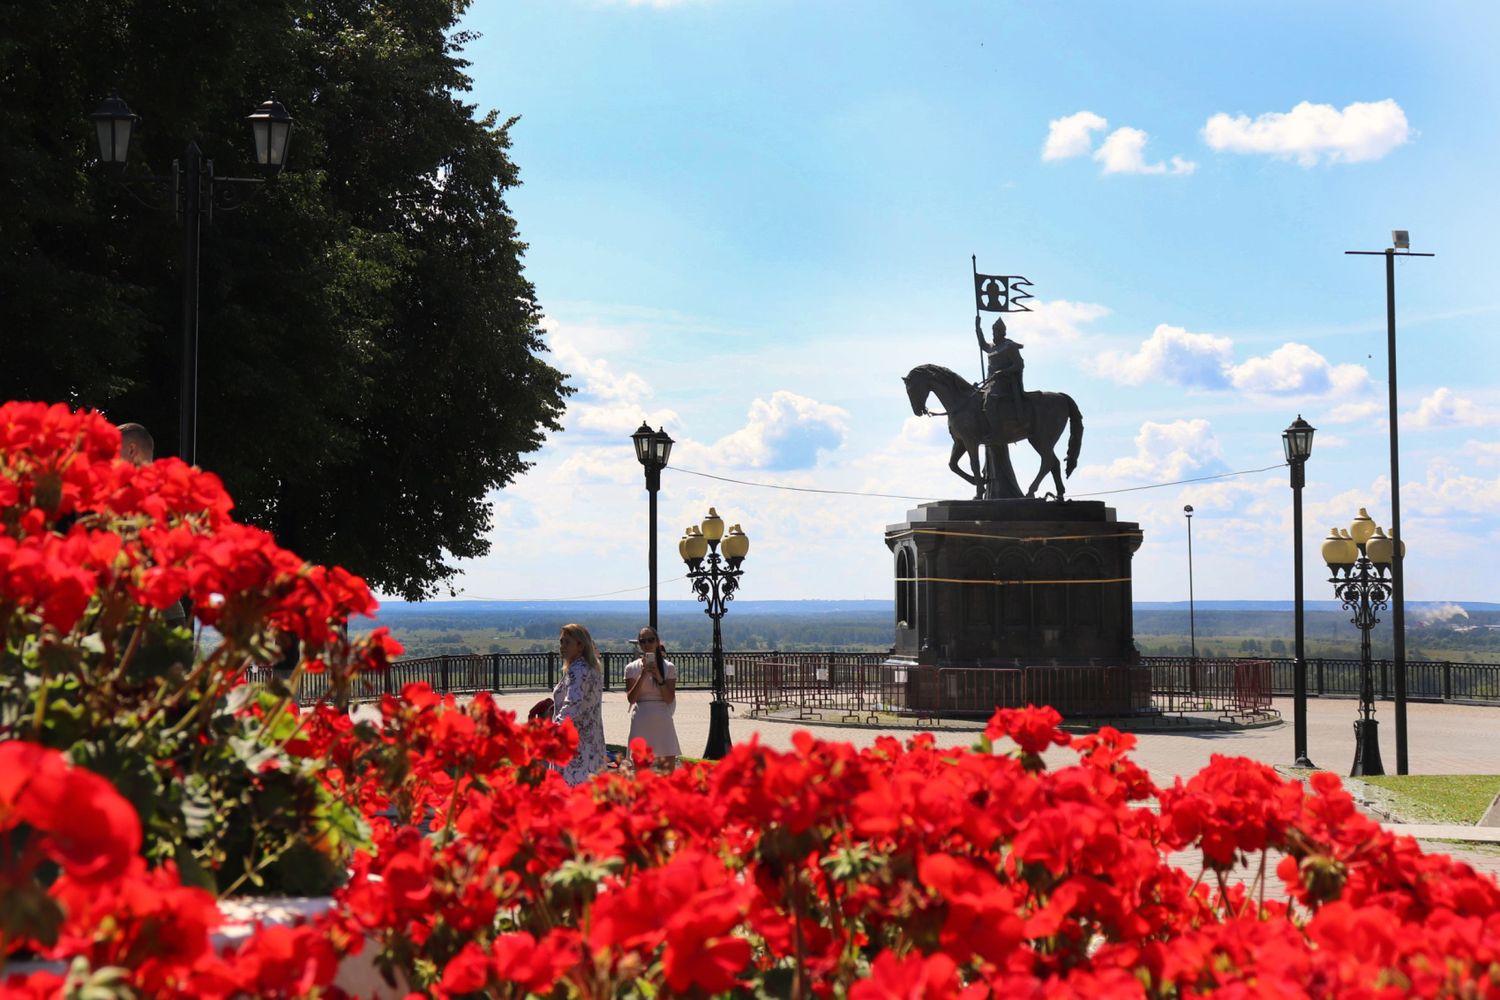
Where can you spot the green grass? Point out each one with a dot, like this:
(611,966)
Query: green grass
(1439,798)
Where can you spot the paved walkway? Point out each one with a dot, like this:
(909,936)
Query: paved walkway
(1442,739)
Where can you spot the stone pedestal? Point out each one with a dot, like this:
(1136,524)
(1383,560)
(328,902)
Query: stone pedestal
(1014,584)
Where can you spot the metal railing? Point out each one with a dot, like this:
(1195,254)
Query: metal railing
(848,684)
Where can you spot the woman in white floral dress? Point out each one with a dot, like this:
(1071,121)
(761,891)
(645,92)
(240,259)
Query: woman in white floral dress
(579,696)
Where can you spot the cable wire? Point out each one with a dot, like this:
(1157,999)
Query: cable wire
(904,496)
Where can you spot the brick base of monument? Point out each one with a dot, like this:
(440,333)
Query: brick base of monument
(1014,602)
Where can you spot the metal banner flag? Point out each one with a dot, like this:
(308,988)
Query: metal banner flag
(1001,293)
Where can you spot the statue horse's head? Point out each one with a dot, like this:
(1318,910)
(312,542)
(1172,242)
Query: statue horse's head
(917,389)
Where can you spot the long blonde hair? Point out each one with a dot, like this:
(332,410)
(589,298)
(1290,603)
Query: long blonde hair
(580,635)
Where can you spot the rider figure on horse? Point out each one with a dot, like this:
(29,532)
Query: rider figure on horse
(1004,392)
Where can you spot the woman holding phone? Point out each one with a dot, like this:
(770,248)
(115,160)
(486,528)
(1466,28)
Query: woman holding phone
(651,689)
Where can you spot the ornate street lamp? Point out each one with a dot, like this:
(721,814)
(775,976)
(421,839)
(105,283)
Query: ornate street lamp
(1297,440)
(652,449)
(1360,560)
(191,190)
(272,128)
(715,578)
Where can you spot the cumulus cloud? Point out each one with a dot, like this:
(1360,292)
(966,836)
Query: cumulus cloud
(1444,409)
(1124,152)
(785,432)
(1449,490)
(1071,136)
(1204,361)
(1297,370)
(1313,133)
(1165,452)
(1172,354)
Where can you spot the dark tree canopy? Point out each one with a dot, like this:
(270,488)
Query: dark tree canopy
(370,361)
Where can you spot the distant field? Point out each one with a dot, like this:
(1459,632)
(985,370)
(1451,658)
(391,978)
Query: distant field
(453,628)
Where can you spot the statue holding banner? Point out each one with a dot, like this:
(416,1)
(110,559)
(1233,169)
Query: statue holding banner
(998,411)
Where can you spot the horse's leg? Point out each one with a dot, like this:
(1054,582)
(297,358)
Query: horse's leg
(1047,432)
(958,449)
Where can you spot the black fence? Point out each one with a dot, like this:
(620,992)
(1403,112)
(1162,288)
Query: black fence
(1174,680)
(1426,680)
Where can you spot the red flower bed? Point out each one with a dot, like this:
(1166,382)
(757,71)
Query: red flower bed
(904,870)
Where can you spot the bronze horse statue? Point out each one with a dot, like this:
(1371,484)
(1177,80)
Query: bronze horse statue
(1044,415)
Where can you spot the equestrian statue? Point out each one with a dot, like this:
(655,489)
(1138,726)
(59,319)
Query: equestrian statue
(997,413)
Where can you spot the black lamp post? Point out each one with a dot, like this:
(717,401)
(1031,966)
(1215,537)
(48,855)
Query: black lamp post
(1192,623)
(1359,560)
(1296,441)
(1400,247)
(192,191)
(715,578)
(652,448)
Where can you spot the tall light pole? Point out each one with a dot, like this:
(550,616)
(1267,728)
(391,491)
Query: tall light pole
(715,579)
(652,449)
(1400,246)
(1192,623)
(1296,441)
(1358,560)
(192,191)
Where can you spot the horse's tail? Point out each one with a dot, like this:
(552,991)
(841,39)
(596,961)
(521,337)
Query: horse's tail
(1075,435)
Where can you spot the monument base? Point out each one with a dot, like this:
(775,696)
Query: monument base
(1003,602)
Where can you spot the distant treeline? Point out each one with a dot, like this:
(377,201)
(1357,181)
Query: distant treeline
(437,629)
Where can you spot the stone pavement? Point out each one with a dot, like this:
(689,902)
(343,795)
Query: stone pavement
(1442,739)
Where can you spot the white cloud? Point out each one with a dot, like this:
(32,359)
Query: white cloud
(1311,133)
(1294,370)
(785,432)
(1483,452)
(1124,152)
(1350,413)
(1443,409)
(607,402)
(1449,491)
(1166,452)
(1204,361)
(1071,136)
(1171,354)
(1055,319)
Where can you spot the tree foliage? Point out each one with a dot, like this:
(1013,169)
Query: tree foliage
(370,360)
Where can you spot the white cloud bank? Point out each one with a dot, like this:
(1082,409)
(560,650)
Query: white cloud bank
(1124,152)
(1071,136)
(1313,133)
(1444,409)
(785,432)
(1204,361)
(1168,452)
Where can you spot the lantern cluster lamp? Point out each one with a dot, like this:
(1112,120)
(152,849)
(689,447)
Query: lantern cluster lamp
(192,192)
(713,560)
(1360,559)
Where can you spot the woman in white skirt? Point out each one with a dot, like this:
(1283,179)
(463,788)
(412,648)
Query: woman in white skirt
(651,689)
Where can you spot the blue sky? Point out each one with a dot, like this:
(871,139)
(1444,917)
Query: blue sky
(748,219)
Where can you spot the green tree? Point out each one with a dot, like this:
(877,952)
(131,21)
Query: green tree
(370,361)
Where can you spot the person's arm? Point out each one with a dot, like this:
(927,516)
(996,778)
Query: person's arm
(669,686)
(633,684)
(574,696)
(979,332)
